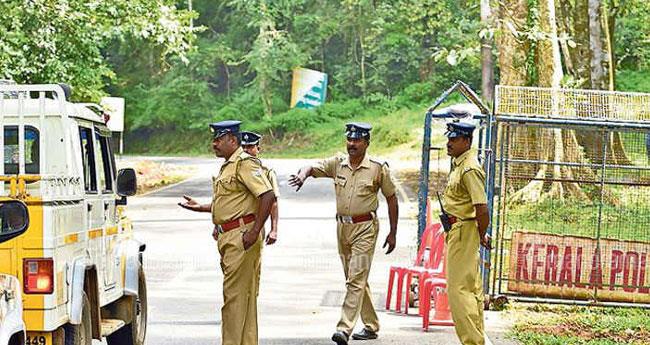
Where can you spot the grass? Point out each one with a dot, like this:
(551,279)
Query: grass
(629,223)
(562,325)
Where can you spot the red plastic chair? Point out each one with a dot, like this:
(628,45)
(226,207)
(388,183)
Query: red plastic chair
(435,287)
(400,272)
(433,265)
(429,254)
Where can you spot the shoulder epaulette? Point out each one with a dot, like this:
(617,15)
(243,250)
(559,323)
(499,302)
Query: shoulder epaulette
(378,161)
(245,156)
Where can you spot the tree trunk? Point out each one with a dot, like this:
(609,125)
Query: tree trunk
(596,46)
(564,30)
(362,63)
(593,142)
(487,61)
(512,47)
(582,56)
(550,71)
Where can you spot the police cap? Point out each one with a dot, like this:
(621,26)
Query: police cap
(224,127)
(457,129)
(250,138)
(358,130)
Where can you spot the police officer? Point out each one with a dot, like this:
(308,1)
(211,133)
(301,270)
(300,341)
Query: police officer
(357,179)
(242,200)
(465,202)
(250,142)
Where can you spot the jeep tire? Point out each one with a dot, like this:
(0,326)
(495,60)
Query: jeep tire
(135,332)
(80,334)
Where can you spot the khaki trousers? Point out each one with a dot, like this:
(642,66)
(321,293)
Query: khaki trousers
(240,287)
(356,244)
(464,285)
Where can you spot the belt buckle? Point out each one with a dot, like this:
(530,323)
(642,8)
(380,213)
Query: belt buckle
(346,219)
(220,229)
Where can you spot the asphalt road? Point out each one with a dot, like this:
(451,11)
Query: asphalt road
(302,280)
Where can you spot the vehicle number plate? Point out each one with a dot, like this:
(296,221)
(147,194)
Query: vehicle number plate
(38,338)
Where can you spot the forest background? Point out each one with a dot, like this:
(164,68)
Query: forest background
(183,64)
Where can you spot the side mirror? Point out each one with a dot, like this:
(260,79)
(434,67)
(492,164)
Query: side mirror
(14,219)
(126,182)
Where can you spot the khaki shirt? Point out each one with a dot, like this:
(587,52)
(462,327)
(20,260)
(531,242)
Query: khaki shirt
(466,186)
(356,190)
(273,178)
(237,188)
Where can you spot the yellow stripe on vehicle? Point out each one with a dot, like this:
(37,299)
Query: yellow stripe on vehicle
(92,234)
(71,238)
(34,313)
(111,231)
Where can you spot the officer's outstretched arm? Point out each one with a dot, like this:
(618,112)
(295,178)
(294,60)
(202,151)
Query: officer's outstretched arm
(298,179)
(193,205)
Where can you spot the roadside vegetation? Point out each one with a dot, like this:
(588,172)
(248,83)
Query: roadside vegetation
(572,325)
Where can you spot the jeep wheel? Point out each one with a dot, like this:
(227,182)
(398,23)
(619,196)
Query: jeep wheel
(80,334)
(135,332)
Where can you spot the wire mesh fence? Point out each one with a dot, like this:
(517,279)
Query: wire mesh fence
(572,202)
(572,104)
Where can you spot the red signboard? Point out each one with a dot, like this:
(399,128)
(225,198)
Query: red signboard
(545,265)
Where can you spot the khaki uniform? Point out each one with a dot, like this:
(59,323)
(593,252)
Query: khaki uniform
(236,191)
(356,194)
(466,188)
(273,179)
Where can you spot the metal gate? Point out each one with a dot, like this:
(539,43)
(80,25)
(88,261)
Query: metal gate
(571,188)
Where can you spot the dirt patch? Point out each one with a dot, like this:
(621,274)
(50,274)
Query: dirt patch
(573,329)
(152,175)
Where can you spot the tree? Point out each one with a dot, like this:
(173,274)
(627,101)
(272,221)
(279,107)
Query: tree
(48,41)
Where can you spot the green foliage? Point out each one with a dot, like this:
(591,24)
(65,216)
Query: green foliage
(163,106)
(633,36)
(48,41)
(370,50)
(633,80)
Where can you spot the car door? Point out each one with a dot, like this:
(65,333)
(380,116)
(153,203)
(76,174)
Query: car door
(106,183)
(93,203)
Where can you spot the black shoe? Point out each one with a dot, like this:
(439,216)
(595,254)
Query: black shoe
(340,338)
(365,334)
